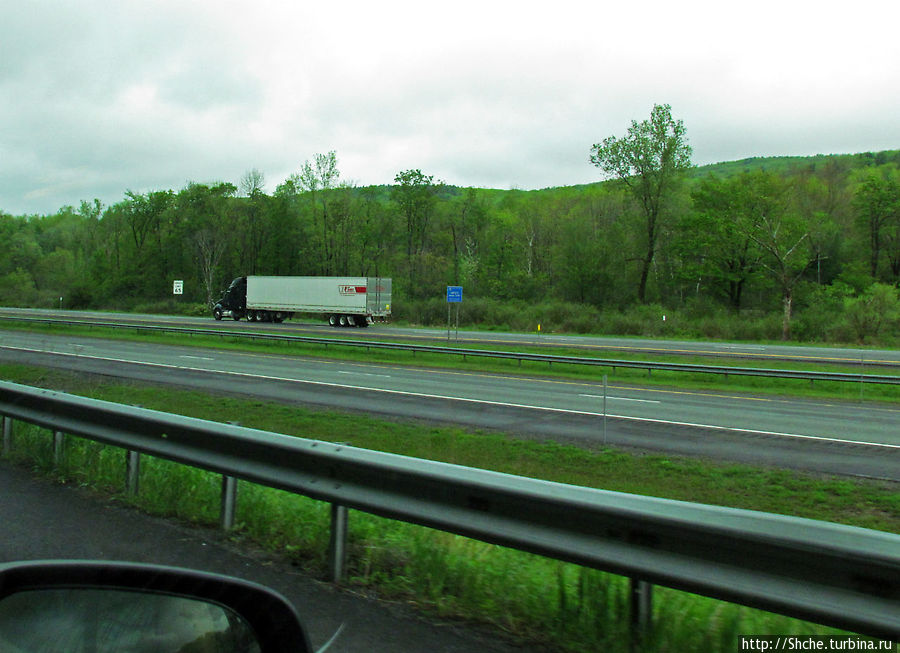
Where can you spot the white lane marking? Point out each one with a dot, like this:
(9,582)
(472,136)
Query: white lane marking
(197,358)
(423,395)
(645,401)
(383,376)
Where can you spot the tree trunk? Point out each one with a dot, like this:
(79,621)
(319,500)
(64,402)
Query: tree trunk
(645,272)
(787,300)
(652,217)
(875,247)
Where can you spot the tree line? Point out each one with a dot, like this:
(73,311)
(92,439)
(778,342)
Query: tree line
(816,237)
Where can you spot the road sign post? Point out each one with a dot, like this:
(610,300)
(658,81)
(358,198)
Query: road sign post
(454,296)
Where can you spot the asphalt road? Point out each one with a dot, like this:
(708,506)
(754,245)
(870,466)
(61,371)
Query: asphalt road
(842,438)
(43,521)
(599,345)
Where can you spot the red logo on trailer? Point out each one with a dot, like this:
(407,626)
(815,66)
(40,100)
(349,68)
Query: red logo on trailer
(352,290)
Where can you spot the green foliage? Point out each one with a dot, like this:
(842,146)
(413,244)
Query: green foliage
(877,204)
(17,289)
(822,319)
(755,236)
(714,240)
(649,160)
(876,310)
(415,194)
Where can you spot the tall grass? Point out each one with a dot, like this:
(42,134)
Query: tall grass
(534,599)
(818,322)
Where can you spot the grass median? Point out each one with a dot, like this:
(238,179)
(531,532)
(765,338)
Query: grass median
(334,350)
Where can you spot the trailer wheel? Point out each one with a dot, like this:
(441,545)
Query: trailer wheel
(343,320)
(362,321)
(333,320)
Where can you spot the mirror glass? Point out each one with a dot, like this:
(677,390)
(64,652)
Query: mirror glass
(101,621)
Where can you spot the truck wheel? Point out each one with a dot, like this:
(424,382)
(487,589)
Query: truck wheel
(236,315)
(217,313)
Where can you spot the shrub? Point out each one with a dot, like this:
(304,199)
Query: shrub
(875,312)
(17,289)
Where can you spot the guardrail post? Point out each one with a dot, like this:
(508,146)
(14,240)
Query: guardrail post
(58,445)
(641,608)
(7,435)
(229,502)
(132,472)
(337,546)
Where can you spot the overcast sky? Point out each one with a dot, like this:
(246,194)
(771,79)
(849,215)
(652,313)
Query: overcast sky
(99,97)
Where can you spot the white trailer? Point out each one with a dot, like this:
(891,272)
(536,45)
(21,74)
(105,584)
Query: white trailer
(345,301)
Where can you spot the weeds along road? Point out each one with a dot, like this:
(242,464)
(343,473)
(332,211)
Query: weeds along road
(832,437)
(589,344)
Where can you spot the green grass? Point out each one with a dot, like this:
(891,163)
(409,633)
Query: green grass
(540,601)
(870,504)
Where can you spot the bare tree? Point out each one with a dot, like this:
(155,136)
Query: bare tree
(210,247)
(784,236)
(252,183)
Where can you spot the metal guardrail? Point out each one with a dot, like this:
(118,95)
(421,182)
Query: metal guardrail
(844,377)
(837,575)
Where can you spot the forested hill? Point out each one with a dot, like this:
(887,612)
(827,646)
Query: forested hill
(789,164)
(807,247)
(786,165)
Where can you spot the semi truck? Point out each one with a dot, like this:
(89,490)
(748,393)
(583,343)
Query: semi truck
(344,301)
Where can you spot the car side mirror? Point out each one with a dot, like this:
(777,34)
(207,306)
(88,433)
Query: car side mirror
(101,607)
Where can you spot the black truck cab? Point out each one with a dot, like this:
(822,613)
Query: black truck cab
(233,301)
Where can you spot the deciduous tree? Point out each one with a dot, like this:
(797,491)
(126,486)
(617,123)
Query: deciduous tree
(877,203)
(783,235)
(318,179)
(649,160)
(713,240)
(415,194)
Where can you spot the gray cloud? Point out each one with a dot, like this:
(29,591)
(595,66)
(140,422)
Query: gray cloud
(103,97)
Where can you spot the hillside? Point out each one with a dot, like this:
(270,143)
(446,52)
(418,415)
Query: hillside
(787,164)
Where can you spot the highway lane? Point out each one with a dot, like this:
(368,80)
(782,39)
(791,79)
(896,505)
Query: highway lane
(595,344)
(825,436)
